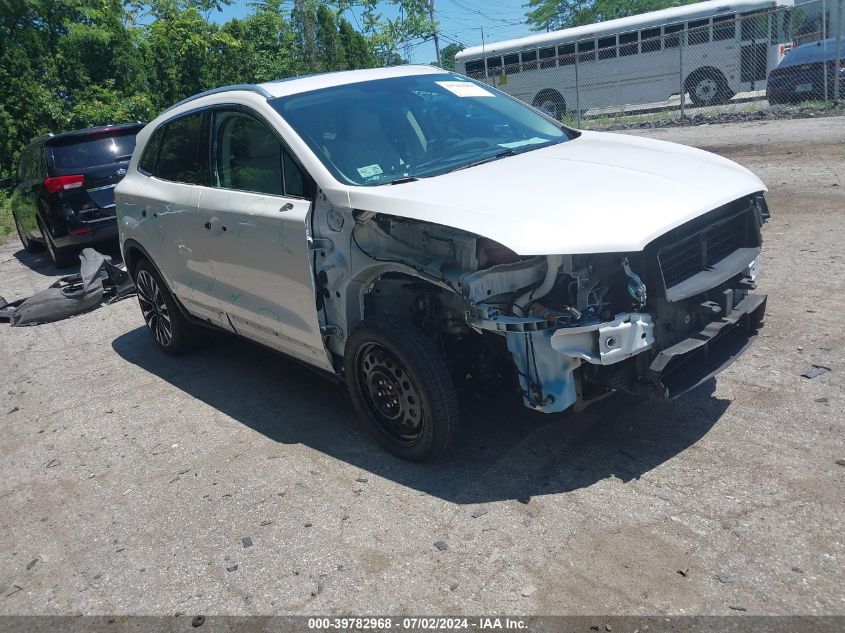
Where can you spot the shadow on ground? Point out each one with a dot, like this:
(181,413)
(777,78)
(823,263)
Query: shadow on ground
(502,451)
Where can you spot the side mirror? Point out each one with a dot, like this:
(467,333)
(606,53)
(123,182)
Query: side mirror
(7,184)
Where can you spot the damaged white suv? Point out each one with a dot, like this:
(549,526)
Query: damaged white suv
(411,230)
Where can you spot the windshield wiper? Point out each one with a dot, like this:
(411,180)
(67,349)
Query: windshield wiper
(488,159)
(403,180)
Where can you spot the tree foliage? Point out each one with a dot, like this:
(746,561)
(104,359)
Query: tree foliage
(66,64)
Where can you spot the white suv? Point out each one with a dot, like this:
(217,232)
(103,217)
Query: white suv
(411,230)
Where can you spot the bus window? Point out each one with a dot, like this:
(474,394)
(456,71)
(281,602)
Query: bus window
(607,47)
(650,39)
(672,39)
(511,63)
(529,60)
(699,32)
(494,65)
(628,44)
(586,51)
(781,27)
(566,54)
(754,26)
(475,68)
(724,27)
(548,57)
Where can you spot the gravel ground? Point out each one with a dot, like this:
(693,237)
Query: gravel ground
(232,481)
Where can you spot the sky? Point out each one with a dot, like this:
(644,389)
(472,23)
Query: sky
(460,21)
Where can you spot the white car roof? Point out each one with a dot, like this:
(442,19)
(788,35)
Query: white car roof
(295,85)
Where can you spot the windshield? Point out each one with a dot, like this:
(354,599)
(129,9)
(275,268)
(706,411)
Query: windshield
(387,130)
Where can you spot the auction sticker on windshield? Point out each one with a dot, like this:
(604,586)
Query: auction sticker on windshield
(464,89)
(370,170)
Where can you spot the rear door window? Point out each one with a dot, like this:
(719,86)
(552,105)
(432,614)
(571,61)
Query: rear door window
(81,152)
(183,156)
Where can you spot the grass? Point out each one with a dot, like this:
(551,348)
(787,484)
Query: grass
(7,224)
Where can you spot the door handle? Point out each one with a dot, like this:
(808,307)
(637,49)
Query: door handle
(208,225)
(287,206)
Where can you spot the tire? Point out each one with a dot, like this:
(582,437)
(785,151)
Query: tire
(30,246)
(401,388)
(552,102)
(708,88)
(172,332)
(62,257)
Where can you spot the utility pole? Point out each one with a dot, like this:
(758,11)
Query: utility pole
(436,39)
(837,52)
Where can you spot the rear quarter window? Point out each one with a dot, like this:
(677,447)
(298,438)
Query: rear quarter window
(92,151)
(147,162)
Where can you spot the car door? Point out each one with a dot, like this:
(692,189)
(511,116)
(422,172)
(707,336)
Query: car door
(256,212)
(176,159)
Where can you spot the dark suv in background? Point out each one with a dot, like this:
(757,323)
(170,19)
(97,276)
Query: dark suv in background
(63,194)
(801,74)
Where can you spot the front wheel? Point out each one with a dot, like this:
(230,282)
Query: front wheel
(401,387)
(170,329)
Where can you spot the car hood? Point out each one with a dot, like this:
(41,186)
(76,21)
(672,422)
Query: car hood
(597,193)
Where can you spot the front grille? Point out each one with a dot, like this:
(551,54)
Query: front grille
(706,247)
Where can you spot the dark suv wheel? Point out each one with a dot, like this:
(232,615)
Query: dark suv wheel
(30,246)
(170,329)
(401,386)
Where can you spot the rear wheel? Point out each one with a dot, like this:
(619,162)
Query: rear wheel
(551,102)
(62,256)
(30,246)
(170,329)
(708,87)
(401,386)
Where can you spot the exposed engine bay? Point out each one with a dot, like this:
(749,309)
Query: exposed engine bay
(572,328)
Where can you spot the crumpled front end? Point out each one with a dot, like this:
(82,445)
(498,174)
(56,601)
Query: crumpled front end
(656,323)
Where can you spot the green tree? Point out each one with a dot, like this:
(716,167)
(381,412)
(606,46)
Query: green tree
(329,45)
(356,47)
(447,55)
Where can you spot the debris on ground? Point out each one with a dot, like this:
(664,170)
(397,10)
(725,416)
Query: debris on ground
(723,578)
(737,608)
(683,572)
(528,590)
(361,480)
(233,567)
(32,563)
(840,462)
(479,513)
(247,541)
(441,545)
(98,281)
(815,371)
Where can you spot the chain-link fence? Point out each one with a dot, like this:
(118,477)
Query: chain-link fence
(725,63)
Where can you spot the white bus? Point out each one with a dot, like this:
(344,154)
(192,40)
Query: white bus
(711,49)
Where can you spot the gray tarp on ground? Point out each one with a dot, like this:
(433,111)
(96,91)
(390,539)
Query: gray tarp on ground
(98,281)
